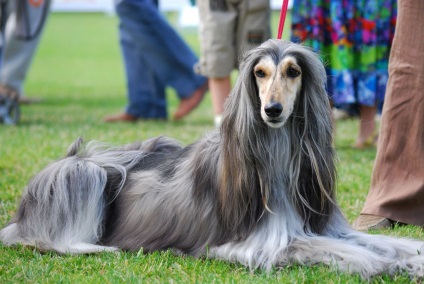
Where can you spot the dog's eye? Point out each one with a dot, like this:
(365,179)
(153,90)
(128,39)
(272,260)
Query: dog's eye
(259,73)
(292,73)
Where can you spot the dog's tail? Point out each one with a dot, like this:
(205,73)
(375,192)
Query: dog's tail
(63,206)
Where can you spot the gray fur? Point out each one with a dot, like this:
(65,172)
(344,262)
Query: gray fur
(252,193)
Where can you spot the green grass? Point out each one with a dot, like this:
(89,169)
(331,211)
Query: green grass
(79,74)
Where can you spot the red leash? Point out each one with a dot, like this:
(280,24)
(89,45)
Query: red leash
(282,18)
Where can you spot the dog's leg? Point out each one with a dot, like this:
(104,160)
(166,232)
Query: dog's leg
(409,253)
(84,248)
(10,236)
(364,257)
(357,252)
(402,248)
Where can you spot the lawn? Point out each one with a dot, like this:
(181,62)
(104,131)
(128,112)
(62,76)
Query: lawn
(78,73)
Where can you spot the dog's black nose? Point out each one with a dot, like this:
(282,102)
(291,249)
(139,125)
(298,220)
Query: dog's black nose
(273,109)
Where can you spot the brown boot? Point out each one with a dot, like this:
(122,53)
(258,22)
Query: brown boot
(367,223)
(190,103)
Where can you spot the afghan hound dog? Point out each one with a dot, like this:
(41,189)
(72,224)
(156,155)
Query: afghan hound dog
(260,191)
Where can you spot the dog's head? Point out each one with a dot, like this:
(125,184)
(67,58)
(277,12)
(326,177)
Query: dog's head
(279,83)
(278,80)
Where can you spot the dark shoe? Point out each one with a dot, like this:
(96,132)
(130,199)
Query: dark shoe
(367,223)
(122,117)
(9,106)
(14,94)
(190,103)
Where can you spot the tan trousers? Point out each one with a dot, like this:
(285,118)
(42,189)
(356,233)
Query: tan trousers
(227,29)
(397,185)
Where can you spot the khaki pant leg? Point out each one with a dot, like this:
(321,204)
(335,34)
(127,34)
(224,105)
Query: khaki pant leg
(253,25)
(397,186)
(217,40)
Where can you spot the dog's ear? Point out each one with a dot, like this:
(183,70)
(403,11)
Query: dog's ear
(242,108)
(241,201)
(312,130)
(74,148)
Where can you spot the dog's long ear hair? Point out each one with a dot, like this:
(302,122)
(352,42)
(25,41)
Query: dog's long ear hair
(313,170)
(244,176)
(245,183)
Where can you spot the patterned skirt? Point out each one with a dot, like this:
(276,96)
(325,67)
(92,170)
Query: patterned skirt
(353,38)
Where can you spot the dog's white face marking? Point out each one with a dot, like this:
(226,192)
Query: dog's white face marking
(278,87)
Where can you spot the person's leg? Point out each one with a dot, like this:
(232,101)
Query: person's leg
(146,94)
(155,56)
(165,51)
(248,27)
(218,51)
(397,184)
(220,88)
(253,25)
(366,136)
(17,54)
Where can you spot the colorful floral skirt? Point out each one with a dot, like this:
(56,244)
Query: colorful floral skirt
(354,39)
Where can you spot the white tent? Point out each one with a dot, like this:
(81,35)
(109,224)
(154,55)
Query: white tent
(107,5)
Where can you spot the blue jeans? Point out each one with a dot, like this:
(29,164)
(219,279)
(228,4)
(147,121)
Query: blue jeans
(16,54)
(155,56)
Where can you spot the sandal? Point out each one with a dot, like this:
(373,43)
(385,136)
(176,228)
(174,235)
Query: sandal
(370,142)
